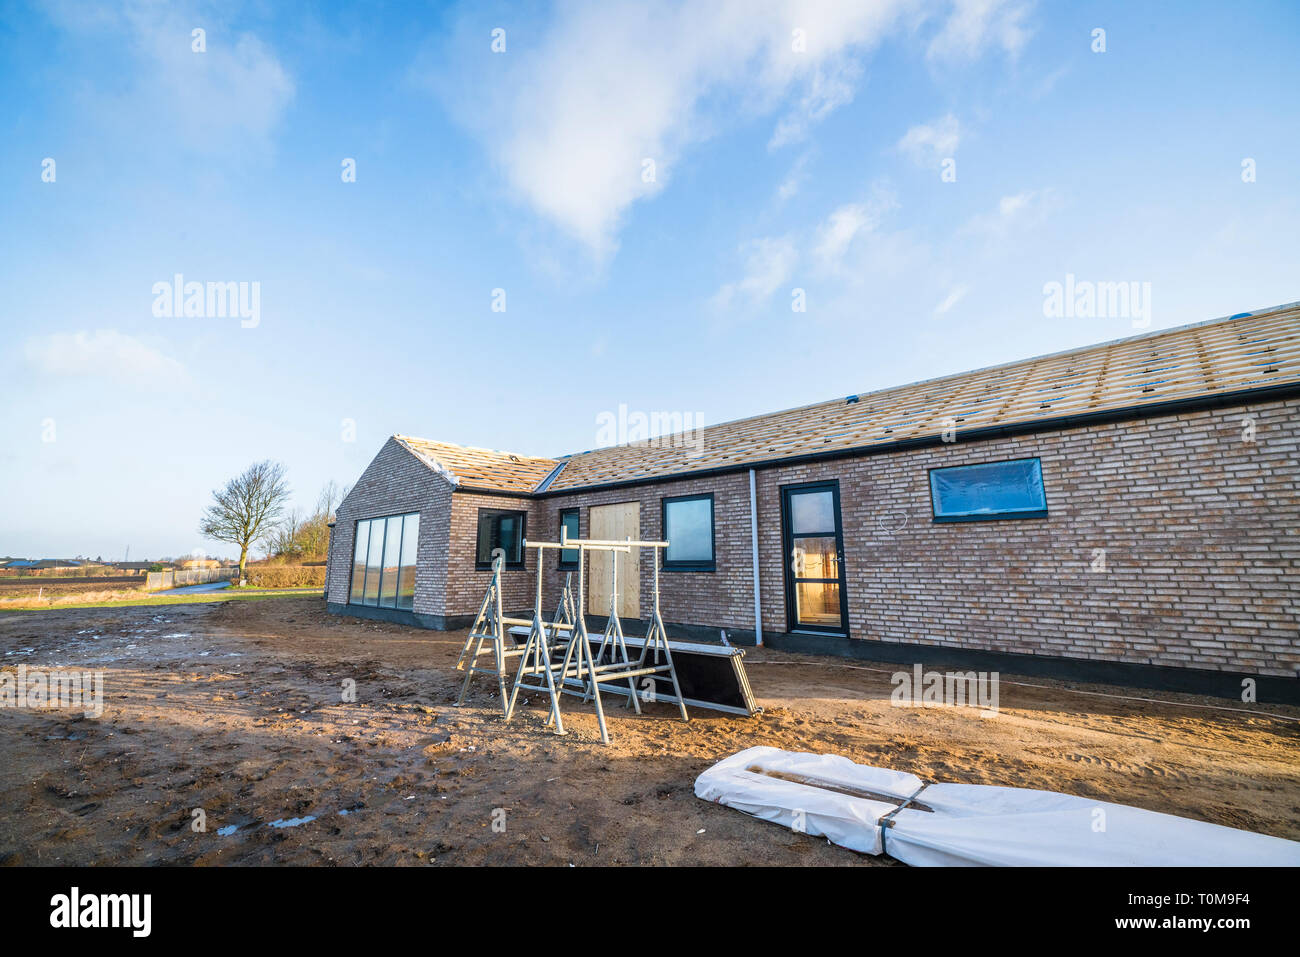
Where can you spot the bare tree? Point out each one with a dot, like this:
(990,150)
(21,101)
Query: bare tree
(314,534)
(281,539)
(246,508)
(296,537)
(330,497)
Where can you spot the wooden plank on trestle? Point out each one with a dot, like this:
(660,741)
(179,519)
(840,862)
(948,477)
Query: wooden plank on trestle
(615,523)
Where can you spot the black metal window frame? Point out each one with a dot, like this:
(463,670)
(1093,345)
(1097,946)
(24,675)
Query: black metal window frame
(564,513)
(692,566)
(788,537)
(496,514)
(987,516)
(352,571)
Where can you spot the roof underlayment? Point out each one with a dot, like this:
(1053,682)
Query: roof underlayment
(481,468)
(1244,353)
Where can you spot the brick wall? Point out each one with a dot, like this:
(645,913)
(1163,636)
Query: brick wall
(721,598)
(396,482)
(1201,532)
(1198,529)
(466,588)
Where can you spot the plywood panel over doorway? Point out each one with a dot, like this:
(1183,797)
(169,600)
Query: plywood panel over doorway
(615,523)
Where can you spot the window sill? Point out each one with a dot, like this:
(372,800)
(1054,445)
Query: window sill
(997,517)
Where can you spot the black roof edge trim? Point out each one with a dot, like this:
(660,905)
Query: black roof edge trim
(498,492)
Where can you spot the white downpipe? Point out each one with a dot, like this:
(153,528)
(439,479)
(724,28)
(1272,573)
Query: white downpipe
(753,534)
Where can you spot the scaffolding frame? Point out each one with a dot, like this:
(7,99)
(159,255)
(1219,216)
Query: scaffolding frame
(579,664)
(490,626)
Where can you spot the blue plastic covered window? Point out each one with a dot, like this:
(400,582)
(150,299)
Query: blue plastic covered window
(972,493)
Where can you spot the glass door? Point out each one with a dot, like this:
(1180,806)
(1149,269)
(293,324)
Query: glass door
(814,545)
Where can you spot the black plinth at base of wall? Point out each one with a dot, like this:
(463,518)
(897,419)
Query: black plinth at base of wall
(1269,689)
(402,617)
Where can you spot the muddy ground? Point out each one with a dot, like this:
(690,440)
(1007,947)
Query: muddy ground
(235,709)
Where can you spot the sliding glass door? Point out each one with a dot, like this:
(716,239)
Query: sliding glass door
(814,547)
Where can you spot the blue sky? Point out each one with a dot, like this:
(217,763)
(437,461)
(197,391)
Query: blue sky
(795,146)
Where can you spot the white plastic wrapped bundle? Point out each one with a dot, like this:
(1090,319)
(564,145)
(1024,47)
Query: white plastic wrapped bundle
(857,806)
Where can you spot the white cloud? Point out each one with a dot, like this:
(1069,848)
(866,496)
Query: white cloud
(828,90)
(1011,206)
(954,297)
(770,262)
(1047,84)
(1020,211)
(794,179)
(569,116)
(237,88)
(845,225)
(837,233)
(587,92)
(928,144)
(769,265)
(225,100)
(975,25)
(103,353)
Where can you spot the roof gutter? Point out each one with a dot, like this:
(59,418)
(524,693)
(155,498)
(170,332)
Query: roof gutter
(498,492)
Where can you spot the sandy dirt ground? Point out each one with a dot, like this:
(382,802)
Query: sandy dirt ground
(236,709)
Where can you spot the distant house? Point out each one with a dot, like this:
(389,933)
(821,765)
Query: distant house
(44,564)
(48,564)
(1122,512)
